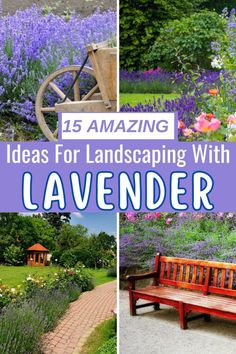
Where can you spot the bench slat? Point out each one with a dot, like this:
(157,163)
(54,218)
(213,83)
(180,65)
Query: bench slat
(231,277)
(169,270)
(222,282)
(194,277)
(163,265)
(215,279)
(187,273)
(181,272)
(200,281)
(175,271)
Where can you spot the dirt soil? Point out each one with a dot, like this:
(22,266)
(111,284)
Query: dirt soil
(83,7)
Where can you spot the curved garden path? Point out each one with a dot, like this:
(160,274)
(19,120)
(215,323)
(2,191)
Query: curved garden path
(82,317)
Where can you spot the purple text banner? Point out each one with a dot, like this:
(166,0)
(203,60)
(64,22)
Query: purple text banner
(117,176)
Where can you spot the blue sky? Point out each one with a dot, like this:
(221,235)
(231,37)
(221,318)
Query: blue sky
(96,222)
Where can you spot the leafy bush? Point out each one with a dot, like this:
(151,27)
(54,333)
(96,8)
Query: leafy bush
(110,347)
(68,259)
(189,235)
(112,272)
(14,255)
(78,280)
(140,24)
(10,295)
(187,41)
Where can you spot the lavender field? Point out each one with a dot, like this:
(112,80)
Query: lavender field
(33,44)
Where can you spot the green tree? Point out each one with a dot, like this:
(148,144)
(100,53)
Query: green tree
(14,255)
(140,24)
(57,219)
(187,41)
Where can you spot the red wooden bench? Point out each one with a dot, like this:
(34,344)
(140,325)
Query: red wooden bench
(189,285)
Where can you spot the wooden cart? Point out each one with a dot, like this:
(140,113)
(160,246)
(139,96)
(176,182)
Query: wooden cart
(65,89)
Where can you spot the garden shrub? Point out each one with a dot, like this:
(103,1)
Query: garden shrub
(14,255)
(68,259)
(140,23)
(109,347)
(112,272)
(189,235)
(187,41)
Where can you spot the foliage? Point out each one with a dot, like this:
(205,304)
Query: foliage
(150,81)
(188,235)
(9,295)
(79,277)
(21,327)
(23,231)
(140,24)
(101,335)
(217,121)
(110,347)
(57,219)
(14,255)
(33,45)
(187,40)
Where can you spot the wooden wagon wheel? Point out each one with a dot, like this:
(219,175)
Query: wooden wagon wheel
(43,110)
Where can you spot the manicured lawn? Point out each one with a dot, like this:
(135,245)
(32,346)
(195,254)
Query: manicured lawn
(100,276)
(99,336)
(135,98)
(13,276)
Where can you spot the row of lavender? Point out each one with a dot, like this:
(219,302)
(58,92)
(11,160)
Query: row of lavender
(207,105)
(33,45)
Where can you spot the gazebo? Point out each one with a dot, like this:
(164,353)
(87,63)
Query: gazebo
(37,255)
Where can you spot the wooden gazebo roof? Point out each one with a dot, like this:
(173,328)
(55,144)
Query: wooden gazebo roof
(38,247)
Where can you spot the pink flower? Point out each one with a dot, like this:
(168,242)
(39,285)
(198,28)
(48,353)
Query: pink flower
(182,214)
(203,125)
(131,216)
(181,124)
(148,216)
(157,215)
(231,119)
(158,69)
(187,132)
(168,221)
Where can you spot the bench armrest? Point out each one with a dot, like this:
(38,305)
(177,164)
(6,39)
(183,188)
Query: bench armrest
(132,278)
(141,276)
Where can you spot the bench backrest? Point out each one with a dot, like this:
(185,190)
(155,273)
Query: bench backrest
(205,276)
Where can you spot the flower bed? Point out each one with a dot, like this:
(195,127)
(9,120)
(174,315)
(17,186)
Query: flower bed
(189,235)
(30,311)
(207,106)
(33,45)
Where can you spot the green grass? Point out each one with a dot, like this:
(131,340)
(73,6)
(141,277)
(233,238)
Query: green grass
(100,276)
(99,336)
(135,98)
(13,276)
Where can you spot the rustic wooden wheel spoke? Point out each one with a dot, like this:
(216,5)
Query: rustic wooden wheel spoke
(55,134)
(90,93)
(58,91)
(76,87)
(48,109)
(43,112)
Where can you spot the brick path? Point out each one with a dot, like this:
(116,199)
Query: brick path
(83,316)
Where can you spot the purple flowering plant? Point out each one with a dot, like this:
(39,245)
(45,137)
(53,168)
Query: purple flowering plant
(189,235)
(33,45)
